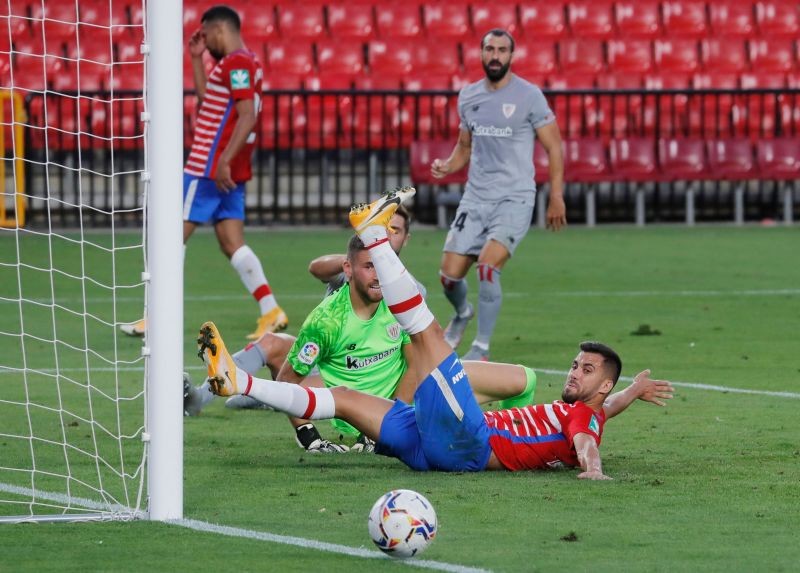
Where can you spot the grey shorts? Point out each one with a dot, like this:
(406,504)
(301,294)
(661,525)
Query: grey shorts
(506,222)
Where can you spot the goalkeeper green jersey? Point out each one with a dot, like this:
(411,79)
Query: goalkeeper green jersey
(366,355)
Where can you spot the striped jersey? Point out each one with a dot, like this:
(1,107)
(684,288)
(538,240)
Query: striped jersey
(541,436)
(236,77)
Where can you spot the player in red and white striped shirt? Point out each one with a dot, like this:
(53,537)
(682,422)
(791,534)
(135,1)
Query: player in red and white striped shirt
(219,164)
(445,429)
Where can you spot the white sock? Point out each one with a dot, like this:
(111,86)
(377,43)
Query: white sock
(293,399)
(246,263)
(399,288)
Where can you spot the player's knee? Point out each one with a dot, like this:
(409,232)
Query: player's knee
(448,282)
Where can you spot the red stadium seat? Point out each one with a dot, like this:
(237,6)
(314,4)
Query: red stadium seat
(626,55)
(576,114)
(378,83)
(731,159)
(633,159)
(342,57)
(399,21)
(422,154)
(291,57)
(778,19)
(619,114)
(731,19)
(590,19)
(301,21)
(351,21)
(328,81)
(581,56)
(486,17)
(260,24)
(772,54)
(724,54)
(682,159)
(543,20)
(762,80)
(710,114)
(391,57)
(446,21)
(637,19)
(685,18)
(105,13)
(779,158)
(534,60)
(435,58)
(585,161)
(676,55)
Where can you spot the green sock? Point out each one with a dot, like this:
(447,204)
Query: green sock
(525,398)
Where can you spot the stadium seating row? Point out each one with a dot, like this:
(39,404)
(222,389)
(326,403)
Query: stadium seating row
(367,20)
(725,63)
(357,120)
(644,159)
(601,19)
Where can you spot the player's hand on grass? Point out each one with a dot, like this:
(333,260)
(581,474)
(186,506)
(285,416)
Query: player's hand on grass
(197,43)
(440,168)
(593,475)
(556,213)
(223,177)
(649,390)
(323,446)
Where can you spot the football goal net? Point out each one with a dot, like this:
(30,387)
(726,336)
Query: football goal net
(90,239)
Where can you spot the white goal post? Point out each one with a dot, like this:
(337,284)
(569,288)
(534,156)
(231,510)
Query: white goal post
(91,421)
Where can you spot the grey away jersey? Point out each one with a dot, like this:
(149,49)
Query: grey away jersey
(502,124)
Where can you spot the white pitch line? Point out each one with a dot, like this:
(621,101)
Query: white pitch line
(205,527)
(319,545)
(698,386)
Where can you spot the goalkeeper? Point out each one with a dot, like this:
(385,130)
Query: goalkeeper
(446,429)
(354,340)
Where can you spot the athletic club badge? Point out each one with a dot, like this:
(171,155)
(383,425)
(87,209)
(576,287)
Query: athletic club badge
(508,109)
(308,354)
(393,330)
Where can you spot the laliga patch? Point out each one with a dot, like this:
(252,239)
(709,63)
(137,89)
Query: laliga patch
(308,354)
(240,79)
(593,425)
(508,109)
(393,331)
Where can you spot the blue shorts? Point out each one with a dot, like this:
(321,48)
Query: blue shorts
(445,429)
(203,202)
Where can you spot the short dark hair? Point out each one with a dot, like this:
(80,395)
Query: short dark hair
(222,14)
(354,246)
(611,360)
(498,32)
(403,212)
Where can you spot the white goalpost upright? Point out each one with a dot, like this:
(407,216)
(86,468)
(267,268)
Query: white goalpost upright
(164,337)
(91,141)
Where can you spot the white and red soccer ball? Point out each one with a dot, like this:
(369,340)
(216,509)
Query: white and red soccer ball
(402,523)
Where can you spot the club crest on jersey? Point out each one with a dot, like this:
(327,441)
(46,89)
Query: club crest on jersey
(240,79)
(393,331)
(308,354)
(508,109)
(593,425)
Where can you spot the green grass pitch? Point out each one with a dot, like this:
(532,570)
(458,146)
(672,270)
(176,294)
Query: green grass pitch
(709,483)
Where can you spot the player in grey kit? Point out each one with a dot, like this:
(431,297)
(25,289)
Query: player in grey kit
(501,116)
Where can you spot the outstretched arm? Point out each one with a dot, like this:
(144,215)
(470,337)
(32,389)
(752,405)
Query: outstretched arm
(588,457)
(643,388)
(326,267)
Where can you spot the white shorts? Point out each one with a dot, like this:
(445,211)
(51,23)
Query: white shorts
(506,222)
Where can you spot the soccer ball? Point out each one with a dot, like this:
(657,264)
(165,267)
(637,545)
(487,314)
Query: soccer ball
(402,523)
